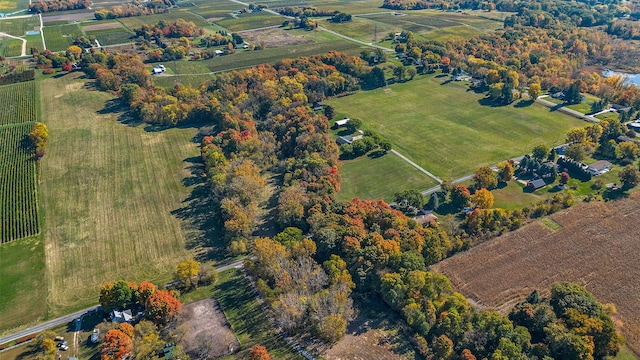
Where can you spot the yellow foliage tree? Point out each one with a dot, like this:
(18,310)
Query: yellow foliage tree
(482,198)
(187,273)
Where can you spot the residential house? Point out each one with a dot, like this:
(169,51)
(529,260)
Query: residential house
(425,219)
(348,139)
(343,122)
(536,184)
(121,316)
(599,167)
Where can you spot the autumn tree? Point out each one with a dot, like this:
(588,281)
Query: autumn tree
(534,91)
(482,198)
(259,352)
(162,306)
(505,171)
(117,296)
(459,196)
(117,345)
(39,137)
(628,150)
(45,345)
(485,177)
(146,340)
(576,136)
(187,273)
(564,178)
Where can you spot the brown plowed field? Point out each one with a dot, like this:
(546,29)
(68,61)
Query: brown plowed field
(598,246)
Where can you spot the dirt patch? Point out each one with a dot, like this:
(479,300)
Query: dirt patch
(273,38)
(376,333)
(596,246)
(68,17)
(208,335)
(103,26)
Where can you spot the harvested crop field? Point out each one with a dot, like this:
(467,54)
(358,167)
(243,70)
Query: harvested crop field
(596,245)
(103,26)
(273,38)
(208,330)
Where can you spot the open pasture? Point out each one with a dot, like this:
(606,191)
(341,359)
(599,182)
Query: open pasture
(361,28)
(380,178)
(213,9)
(269,56)
(444,128)
(10,47)
(19,26)
(250,21)
(425,21)
(18,103)
(136,22)
(9,6)
(596,245)
(109,195)
(111,36)
(60,37)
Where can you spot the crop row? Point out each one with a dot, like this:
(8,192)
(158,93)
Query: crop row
(17,103)
(18,184)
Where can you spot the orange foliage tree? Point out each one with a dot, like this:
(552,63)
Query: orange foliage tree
(117,345)
(162,306)
(259,352)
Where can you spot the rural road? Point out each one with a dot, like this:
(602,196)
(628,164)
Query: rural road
(417,166)
(24,42)
(70,317)
(566,110)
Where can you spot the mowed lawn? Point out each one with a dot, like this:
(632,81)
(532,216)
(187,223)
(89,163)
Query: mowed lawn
(107,191)
(445,129)
(22,287)
(381,177)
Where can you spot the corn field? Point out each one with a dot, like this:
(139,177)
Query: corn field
(17,103)
(18,168)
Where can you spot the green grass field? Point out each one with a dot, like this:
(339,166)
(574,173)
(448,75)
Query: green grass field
(111,36)
(108,193)
(248,321)
(380,178)
(213,9)
(250,21)
(8,6)
(136,22)
(346,6)
(19,26)
(60,37)
(22,288)
(362,29)
(445,129)
(271,55)
(10,47)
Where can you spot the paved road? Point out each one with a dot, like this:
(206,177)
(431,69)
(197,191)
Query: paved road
(567,111)
(70,317)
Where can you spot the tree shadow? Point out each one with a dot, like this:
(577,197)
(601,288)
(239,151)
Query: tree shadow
(121,111)
(523,103)
(198,215)
(485,101)
(377,154)
(441,76)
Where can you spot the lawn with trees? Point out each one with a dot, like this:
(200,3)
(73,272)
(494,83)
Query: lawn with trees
(453,133)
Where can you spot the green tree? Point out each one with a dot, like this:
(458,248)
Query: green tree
(576,152)
(573,95)
(329,111)
(540,152)
(627,150)
(629,177)
(409,200)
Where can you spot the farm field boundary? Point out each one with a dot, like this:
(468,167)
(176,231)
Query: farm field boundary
(595,246)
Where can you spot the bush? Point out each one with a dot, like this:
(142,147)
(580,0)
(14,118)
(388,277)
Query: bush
(16,77)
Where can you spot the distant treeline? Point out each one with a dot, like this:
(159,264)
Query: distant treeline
(128,10)
(58,5)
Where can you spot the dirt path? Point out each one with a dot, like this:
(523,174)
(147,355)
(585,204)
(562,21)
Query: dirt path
(24,42)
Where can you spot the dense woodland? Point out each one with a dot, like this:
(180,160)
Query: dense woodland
(262,140)
(43,6)
(135,9)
